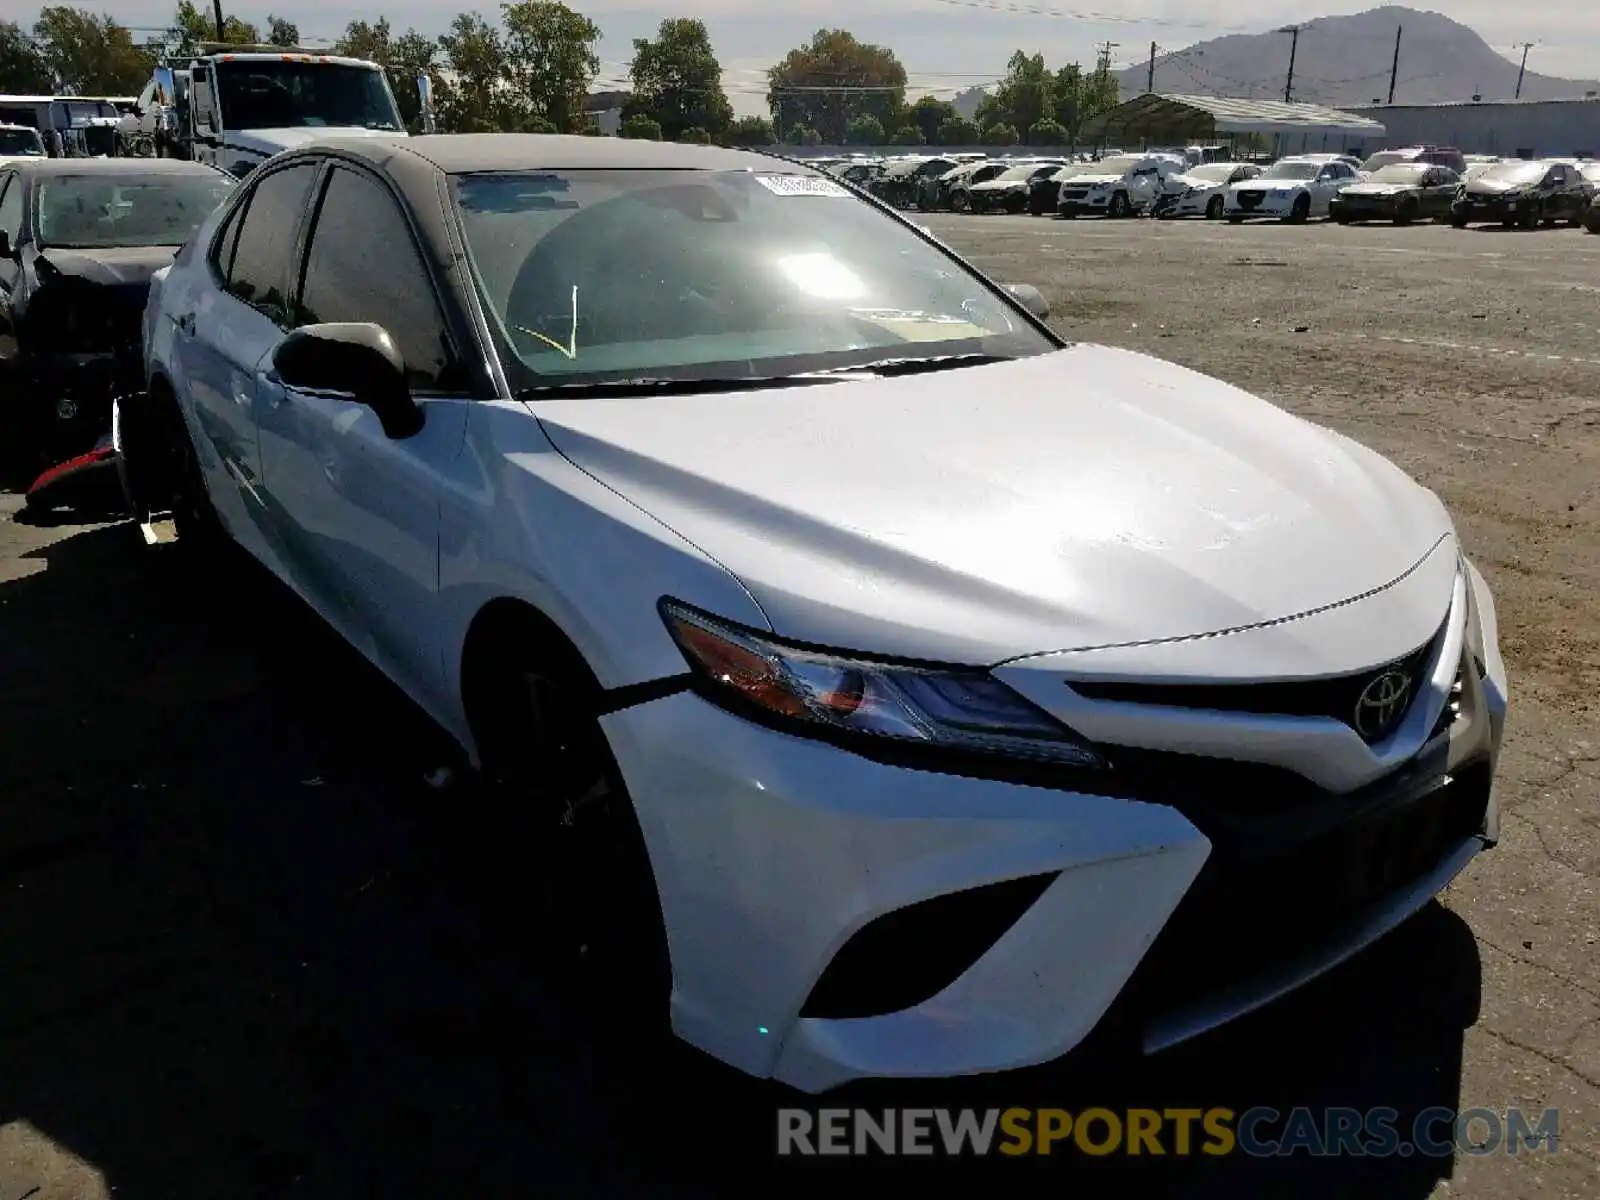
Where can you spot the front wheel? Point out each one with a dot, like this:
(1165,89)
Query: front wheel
(1119,206)
(596,913)
(1235,219)
(1214,208)
(1405,214)
(1300,212)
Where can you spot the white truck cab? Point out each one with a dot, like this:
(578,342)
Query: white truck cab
(247,103)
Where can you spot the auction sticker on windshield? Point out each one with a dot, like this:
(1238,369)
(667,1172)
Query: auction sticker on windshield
(801,185)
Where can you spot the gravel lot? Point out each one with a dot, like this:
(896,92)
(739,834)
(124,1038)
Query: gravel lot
(249,952)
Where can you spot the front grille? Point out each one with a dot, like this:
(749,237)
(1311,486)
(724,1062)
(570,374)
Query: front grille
(1339,697)
(1242,914)
(1074,193)
(1249,199)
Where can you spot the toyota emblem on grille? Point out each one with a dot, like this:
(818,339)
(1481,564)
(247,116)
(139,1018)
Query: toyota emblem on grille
(1382,704)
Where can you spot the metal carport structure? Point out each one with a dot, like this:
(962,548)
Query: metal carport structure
(1152,119)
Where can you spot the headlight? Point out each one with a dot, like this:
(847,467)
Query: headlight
(821,694)
(1279,193)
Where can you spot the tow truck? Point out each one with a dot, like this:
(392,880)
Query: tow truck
(235,106)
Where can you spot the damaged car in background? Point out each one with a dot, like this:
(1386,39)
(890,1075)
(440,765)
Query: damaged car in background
(79,242)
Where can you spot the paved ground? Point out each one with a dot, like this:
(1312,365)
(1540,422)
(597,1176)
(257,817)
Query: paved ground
(246,951)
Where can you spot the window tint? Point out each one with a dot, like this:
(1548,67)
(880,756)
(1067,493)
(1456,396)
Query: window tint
(11,208)
(364,266)
(227,238)
(263,258)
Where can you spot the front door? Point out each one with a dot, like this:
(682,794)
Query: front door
(219,342)
(360,510)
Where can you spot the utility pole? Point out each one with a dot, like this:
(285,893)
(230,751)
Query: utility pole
(1288,86)
(1522,70)
(1105,55)
(1150,81)
(1394,71)
(222,27)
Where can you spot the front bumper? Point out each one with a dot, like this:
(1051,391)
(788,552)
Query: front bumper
(777,858)
(1491,208)
(1072,204)
(1268,206)
(1375,209)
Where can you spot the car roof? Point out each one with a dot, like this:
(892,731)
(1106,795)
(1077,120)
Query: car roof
(465,153)
(46,167)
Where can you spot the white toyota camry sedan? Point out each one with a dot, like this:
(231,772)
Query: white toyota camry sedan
(898,688)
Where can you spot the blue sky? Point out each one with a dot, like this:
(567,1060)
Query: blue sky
(945,44)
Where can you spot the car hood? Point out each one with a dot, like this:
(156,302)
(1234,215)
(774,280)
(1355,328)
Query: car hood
(123,265)
(1083,498)
(1093,180)
(1496,187)
(1377,189)
(1265,185)
(995,185)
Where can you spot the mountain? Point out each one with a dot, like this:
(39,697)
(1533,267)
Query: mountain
(1346,61)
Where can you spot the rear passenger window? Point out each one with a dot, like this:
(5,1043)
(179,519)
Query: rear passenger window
(262,257)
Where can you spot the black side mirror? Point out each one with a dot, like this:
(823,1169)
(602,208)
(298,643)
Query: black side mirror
(354,359)
(7,250)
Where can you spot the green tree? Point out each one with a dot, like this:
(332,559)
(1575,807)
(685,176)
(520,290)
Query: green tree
(1000,134)
(640,128)
(803,135)
(1069,98)
(1024,97)
(694,135)
(281,32)
(750,131)
(190,27)
(22,68)
(1047,132)
(89,55)
(550,59)
(829,82)
(929,113)
(479,100)
(958,131)
(865,130)
(403,60)
(908,135)
(678,81)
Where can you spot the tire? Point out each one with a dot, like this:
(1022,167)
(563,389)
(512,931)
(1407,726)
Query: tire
(1405,213)
(1119,206)
(1235,220)
(1341,218)
(1457,222)
(1533,218)
(1591,222)
(164,473)
(959,202)
(551,776)
(1300,211)
(1016,205)
(1214,208)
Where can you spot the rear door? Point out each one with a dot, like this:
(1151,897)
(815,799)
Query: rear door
(219,343)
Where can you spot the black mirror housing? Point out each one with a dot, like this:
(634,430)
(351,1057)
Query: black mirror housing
(357,360)
(7,250)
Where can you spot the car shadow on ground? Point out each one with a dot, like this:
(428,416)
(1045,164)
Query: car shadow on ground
(251,952)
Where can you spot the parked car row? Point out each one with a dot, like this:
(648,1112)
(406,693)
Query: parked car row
(1400,186)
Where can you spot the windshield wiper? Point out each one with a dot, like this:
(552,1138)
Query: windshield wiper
(650,386)
(917,366)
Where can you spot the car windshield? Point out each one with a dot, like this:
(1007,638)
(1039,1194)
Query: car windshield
(89,212)
(709,275)
(1400,173)
(1292,170)
(21,142)
(1385,158)
(1120,165)
(259,94)
(1211,173)
(1515,172)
